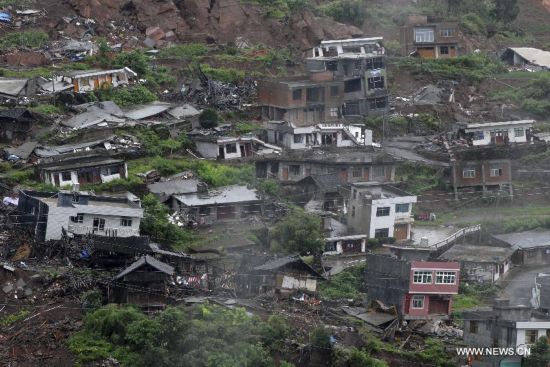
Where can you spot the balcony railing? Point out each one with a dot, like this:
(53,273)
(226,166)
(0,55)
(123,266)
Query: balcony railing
(107,231)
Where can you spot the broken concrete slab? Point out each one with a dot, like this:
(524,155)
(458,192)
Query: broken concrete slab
(7,288)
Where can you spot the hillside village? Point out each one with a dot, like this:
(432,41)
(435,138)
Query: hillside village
(275,183)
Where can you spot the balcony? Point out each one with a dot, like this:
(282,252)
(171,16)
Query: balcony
(403,218)
(107,231)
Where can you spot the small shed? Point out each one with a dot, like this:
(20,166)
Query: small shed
(281,276)
(144,283)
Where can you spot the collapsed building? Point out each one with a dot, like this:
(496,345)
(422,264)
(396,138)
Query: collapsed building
(347,78)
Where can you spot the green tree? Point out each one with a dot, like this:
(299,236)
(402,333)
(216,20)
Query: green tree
(208,118)
(299,232)
(505,11)
(170,145)
(540,354)
(135,60)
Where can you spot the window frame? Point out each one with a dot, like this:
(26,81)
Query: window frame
(297,94)
(357,172)
(441,276)
(63,175)
(447,48)
(447,32)
(334,90)
(100,224)
(497,170)
(78,218)
(469,175)
(385,230)
(418,298)
(424,35)
(519,130)
(230,148)
(383,211)
(125,221)
(401,205)
(529,338)
(420,275)
(376,82)
(294,169)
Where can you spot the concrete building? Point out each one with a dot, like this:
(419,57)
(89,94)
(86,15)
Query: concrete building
(429,40)
(503,326)
(81,169)
(497,133)
(493,175)
(214,147)
(381,211)
(417,289)
(479,262)
(339,135)
(48,214)
(350,165)
(346,78)
(89,80)
(345,244)
(531,247)
(223,204)
(529,58)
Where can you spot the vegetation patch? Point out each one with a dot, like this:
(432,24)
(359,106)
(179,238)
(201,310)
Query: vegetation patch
(30,39)
(346,285)
(419,178)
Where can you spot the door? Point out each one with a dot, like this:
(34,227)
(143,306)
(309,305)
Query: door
(438,306)
(243,152)
(221,153)
(343,175)
(285,173)
(400,232)
(426,52)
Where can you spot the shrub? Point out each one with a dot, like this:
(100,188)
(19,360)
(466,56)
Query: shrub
(209,118)
(127,96)
(91,300)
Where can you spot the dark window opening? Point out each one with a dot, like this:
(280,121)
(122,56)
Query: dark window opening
(353,85)
(382,233)
(376,103)
(294,169)
(383,211)
(444,50)
(65,176)
(375,63)
(99,224)
(231,148)
(314,94)
(332,66)
(376,82)
(297,94)
(334,91)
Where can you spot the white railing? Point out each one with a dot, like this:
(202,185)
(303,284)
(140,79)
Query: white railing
(458,234)
(107,231)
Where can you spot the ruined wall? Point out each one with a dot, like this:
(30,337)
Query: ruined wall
(387,280)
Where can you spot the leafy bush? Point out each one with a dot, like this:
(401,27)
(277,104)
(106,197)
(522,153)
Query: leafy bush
(208,118)
(127,96)
(298,232)
(345,285)
(23,39)
(269,187)
(344,11)
(91,300)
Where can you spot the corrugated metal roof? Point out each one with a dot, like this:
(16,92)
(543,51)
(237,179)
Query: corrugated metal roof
(147,110)
(159,265)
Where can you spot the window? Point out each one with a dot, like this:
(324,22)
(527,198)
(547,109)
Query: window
(376,82)
(314,94)
(298,138)
(65,176)
(519,132)
(417,301)
(334,91)
(353,211)
(356,172)
(294,169)
(296,94)
(382,233)
(125,222)
(79,218)
(423,35)
(375,103)
(478,135)
(99,224)
(378,172)
(496,172)
(473,326)
(447,32)
(402,208)
(331,246)
(353,85)
(443,50)
(334,112)
(531,336)
(469,173)
(445,277)
(231,148)
(375,63)
(383,212)
(422,277)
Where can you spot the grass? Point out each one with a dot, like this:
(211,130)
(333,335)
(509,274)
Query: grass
(30,39)
(48,109)
(13,318)
(184,51)
(30,73)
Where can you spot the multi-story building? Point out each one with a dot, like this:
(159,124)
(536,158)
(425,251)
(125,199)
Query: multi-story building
(417,289)
(489,175)
(350,165)
(430,40)
(346,78)
(381,211)
(48,214)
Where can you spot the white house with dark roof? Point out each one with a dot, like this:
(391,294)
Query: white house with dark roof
(228,203)
(80,213)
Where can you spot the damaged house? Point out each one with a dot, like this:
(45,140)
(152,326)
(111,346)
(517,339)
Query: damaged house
(527,57)
(429,40)
(345,244)
(89,80)
(497,133)
(81,169)
(16,125)
(282,276)
(381,211)
(487,175)
(144,283)
(330,134)
(49,214)
(350,165)
(531,247)
(215,147)
(417,289)
(346,78)
(228,203)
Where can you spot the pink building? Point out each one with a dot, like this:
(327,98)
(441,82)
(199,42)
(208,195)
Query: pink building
(418,289)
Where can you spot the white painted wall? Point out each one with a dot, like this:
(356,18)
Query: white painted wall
(389,221)
(511,136)
(522,326)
